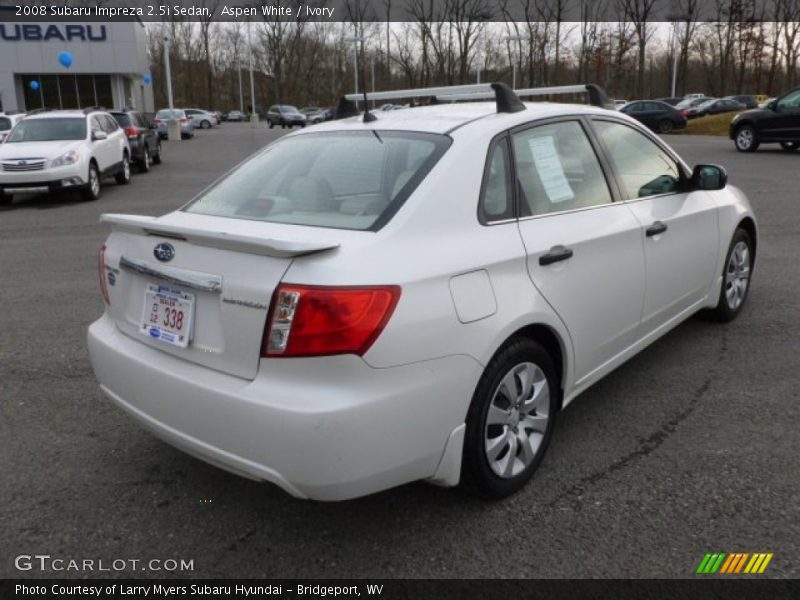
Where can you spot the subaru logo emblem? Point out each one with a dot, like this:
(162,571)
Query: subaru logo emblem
(164,252)
(22,163)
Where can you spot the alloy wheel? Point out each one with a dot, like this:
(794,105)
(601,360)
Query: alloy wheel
(517,419)
(737,275)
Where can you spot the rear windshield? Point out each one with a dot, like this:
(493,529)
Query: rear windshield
(167,114)
(345,180)
(123,119)
(48,130)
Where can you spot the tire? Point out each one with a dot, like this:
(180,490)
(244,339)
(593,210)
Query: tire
(745,139)
(501,452)
(91,191)
(205,125)
(270,123)
(790,146)
(145,163)
(5,199)
(736,272)
(157,155)
(124,175)
(665,126)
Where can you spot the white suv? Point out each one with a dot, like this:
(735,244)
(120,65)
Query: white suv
(60,150)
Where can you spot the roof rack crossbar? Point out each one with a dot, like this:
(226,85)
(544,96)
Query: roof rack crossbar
(422,92)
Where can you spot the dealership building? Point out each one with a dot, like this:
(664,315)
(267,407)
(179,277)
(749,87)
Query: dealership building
(73,65)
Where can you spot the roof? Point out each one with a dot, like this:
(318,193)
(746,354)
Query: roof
(443,118)
(54,114)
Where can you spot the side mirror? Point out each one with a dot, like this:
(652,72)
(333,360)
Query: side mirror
(709,177)
(99,135)
(773,105)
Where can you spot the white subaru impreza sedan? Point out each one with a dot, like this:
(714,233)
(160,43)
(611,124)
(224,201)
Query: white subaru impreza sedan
(412,296)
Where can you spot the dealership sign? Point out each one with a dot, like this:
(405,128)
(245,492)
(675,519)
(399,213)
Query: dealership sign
(47,33)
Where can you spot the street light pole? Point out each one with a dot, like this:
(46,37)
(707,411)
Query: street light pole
(355,40)
(173,126)
(241,92)
(514,38)
(674,20)
(254,114)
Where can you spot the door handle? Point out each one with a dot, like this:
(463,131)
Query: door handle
(655,229)
(556,254)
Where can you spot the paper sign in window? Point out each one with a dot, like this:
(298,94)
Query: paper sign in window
(550,169)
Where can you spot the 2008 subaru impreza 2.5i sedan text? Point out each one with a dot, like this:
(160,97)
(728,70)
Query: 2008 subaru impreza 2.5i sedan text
(374,301)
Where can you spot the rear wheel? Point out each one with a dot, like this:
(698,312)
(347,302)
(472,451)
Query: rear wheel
(123,177)
(665,126)
(92,189)
(205,125)
(790,146)
(735,277)
(270,123)
(745,139)
(510,420)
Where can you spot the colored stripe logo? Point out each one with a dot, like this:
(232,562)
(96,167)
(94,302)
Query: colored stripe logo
(734,563)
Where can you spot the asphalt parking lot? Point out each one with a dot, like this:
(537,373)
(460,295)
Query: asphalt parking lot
(691,447)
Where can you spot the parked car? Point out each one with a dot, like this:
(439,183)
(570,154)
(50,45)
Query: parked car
(299,322)
(778,122)
(144,141)
(218,115)
(236,115)
(745,100)
(765,102)
(688,103)
(59,150)
(165,114)
(7,122)
(658,116)
(713,107)
(619,103)
(201,118)
(313,114)
(671,101)
(285,114)
(695,95)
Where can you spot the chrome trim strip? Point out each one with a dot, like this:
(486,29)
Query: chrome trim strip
(191,279)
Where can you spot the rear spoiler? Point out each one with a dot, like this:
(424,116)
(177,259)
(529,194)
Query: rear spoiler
(278,248)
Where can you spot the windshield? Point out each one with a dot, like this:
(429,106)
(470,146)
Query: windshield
(48,130)
(123,119)
(345,180)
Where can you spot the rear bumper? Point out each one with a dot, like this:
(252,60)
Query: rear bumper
(329,428)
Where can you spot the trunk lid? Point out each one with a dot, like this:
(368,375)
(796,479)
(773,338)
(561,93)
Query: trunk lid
(229,267)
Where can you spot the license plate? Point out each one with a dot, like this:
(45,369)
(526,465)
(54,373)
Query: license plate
(168,315)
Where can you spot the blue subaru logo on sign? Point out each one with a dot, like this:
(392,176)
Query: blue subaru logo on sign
(155,333)
(164,252)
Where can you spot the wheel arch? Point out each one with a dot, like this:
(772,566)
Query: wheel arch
(553,344)
(749,225)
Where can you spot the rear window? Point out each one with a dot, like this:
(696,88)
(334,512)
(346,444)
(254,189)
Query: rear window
(345,180)
(167,114)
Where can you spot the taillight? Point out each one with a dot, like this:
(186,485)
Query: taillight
(316,321)
(132,132)
(101,267)
(156,121)
(184,120)
(684,113)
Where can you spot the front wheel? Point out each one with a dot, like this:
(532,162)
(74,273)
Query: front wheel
(746,139)
(790,146)
(735,277)
(205,125)
(92,189)
(157,154)
(123,177)
(665,126)
(144,164)
(510,420)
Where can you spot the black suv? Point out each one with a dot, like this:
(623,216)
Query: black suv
(778,122)
(284,114)
(143,139)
